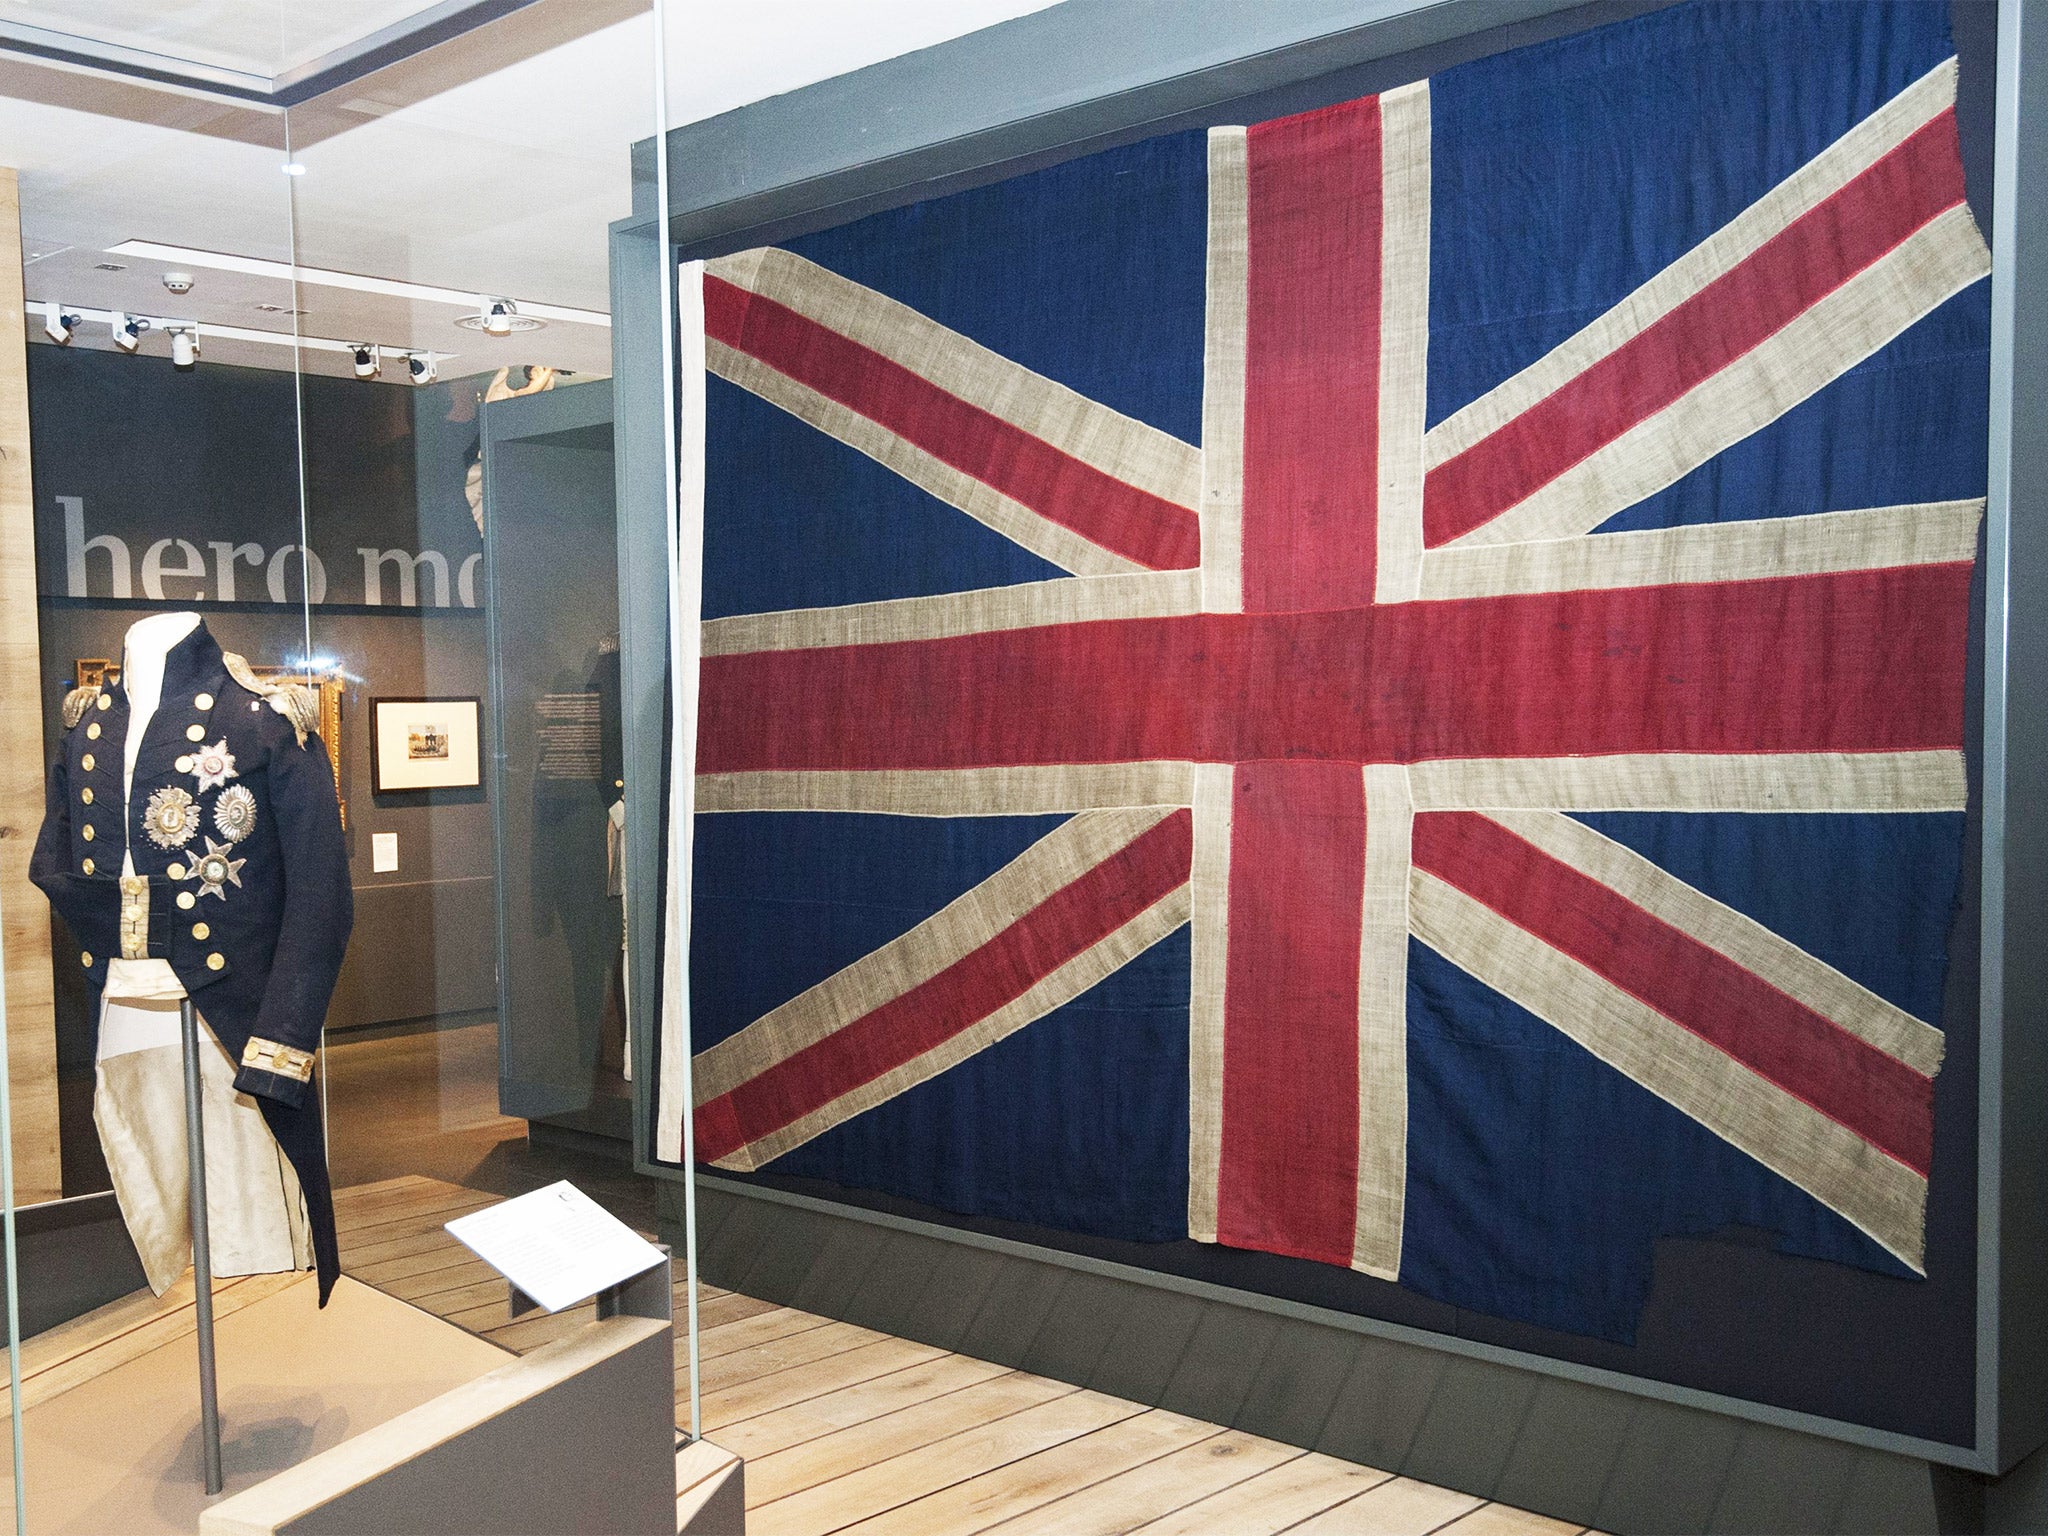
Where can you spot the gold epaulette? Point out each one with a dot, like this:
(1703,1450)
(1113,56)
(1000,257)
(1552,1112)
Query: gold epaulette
(77,702)
(295,701)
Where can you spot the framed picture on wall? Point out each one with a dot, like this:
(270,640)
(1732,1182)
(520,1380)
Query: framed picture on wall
(425,744)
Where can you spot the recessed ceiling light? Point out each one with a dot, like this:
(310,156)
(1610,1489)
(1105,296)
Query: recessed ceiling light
(279,309)
(110,266)
(504,324)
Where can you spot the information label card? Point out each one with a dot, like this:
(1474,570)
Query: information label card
(557,1245)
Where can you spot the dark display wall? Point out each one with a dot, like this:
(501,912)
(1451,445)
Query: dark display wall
(197,473)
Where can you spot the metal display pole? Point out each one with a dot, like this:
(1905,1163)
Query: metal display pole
(202,1251)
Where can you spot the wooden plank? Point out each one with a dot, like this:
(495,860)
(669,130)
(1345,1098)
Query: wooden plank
(426,1219)
(531,1332)
(779,1474)
(431,1240)
(446,1300)
(777,1355)
(24,758)
(1400,1506)
(733,1335)
(371,1202)
(699,1462)
(1273,1501)
(902,1479)
(1506,1520)
(1126,1501)
(717,1311)
(749,1399)
(370,1188)
(803,1422)
(420,1275)
(1030,1483)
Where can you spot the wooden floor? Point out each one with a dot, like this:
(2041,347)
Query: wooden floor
(844,1429)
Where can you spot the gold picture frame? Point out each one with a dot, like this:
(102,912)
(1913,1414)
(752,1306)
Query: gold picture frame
(329,684)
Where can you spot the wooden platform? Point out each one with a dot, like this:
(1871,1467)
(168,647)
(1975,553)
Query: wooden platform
(844,1429)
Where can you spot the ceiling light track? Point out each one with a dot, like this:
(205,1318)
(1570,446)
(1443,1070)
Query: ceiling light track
(62,321)
(355,282)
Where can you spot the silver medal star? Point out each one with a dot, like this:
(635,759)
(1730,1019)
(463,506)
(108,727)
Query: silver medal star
(216,870)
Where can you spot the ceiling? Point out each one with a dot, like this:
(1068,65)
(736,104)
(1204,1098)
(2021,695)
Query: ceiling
(258,37)
(490,165)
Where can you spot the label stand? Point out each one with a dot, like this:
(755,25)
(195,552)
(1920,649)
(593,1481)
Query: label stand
(202,1251)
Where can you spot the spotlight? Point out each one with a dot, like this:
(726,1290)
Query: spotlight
(497,316)
(58,324)
(127,330)
(422,367)
(184,345)
(369,359)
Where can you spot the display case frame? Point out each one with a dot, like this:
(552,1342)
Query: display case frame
(1056,83)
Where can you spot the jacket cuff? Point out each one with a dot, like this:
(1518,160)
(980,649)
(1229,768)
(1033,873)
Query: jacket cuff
(275,1071)
(145,921)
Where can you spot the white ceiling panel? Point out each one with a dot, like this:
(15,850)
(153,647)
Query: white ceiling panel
(501,184)
(260,37)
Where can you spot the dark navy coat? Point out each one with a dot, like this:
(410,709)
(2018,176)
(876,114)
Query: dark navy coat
(233,823)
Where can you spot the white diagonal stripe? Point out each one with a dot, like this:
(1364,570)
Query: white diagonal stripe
(1092,965)
(1923,271)
(1721,928)
(956,930)
(1837,1167)
(983,502)
(1685,781)
(1720,253)
(1121,447)
(1876,538)
(1068,600)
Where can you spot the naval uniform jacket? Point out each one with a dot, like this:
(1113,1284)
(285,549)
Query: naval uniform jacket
(241,877)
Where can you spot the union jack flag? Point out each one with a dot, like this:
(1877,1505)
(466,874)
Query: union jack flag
(1362,686)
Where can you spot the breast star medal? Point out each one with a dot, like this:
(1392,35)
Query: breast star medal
(213,766)
(171,817)
(234,813)
(215,870)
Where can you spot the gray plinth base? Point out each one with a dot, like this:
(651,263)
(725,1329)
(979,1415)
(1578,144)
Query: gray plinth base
(1573,1450)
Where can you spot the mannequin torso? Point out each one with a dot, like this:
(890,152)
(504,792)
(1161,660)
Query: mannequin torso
(142,678)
